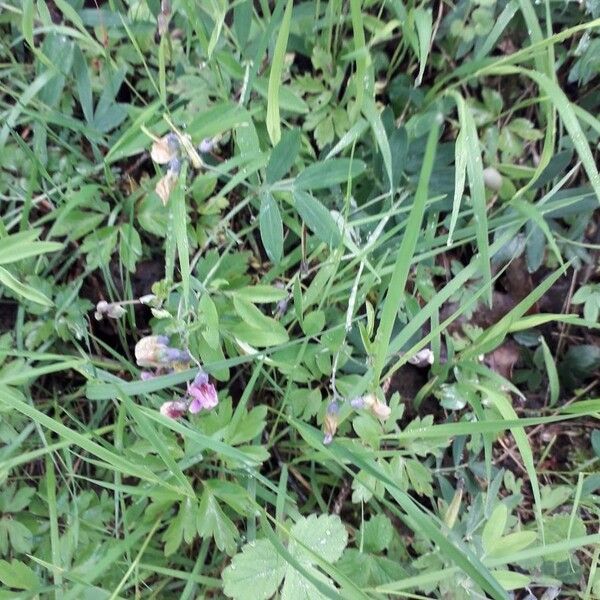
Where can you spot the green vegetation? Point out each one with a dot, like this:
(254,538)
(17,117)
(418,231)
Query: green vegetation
(299,299)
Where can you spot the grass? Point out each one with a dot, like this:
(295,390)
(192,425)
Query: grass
(372,222)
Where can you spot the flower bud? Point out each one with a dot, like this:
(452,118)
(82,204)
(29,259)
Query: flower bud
(174,409)
(330,422)
(165,185)
(153,351)
(165,149)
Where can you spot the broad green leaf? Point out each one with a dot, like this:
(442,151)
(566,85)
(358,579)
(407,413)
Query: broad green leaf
(325,535)
(271,227)
(317,218)
(18,575)
(494,528)
(21,289)
(510,580)
(255,573)
(328,173)
(283,155)
(511,543)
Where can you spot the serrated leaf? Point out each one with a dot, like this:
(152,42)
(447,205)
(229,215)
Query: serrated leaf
(255,573)
(212,521)
(18,575)
(298,587)
(377,533)
(325,535)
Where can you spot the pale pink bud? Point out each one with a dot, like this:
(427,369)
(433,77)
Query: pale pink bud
(174,409)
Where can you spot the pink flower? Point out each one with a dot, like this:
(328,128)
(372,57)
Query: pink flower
(174,409)
(203,394)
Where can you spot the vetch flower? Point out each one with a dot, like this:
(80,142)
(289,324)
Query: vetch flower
(174,409)
(330,422)
(203,394)
(113,310)
(166,184)
(154,351)
(165,149)
(370,401)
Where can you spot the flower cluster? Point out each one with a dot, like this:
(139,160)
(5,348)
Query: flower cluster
(201,395)
(371,402)
(170,150)
(153,351)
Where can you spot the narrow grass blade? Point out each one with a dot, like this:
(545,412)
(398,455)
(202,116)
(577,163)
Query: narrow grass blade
(476,185)
(403,260)
(273,120)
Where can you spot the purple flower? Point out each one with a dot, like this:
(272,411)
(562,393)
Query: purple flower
(174,409)
(203,394)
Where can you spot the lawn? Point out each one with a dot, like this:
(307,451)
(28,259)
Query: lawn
(299,300)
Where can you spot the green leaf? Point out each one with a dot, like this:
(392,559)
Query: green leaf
(212,521)
(255,573)
(271,227)
(273,121)
(328,173)
(21,539)
(558,528)
(21,289)
(424,25)
(130,248)
(377,533)
(494,528)
(324,535)
(209,317)
(313,322)
(259,293)
(23,245)
(317,218)
(552,372)
(510,580)
(283,155)
(18,575)
(511,543)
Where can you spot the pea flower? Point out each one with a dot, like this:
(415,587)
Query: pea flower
(203,394)
(165,149)
(330,422)
(371,402)
(154,351)
(111,310)
(166,184)
(173,409)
